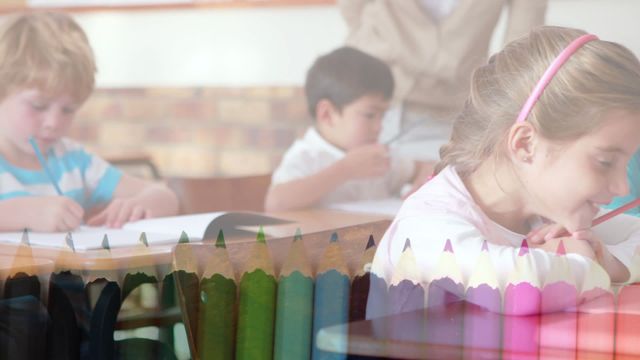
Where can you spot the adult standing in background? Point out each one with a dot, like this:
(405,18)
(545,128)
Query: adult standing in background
(432,46)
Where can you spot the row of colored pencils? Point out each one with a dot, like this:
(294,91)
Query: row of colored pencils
(262,316)
(526,320)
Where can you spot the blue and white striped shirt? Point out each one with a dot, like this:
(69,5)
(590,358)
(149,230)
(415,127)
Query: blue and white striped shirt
(82,176)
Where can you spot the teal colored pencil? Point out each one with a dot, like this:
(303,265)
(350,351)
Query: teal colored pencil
(331,300)
(294,309)
(256,310)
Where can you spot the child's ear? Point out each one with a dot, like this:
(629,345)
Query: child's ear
(521,142)
(325,112)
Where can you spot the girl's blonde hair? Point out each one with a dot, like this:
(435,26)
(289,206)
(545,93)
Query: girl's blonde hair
(600,77)
(48,51)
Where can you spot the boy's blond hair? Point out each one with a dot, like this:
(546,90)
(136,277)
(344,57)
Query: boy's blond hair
(48,51)
(600,77)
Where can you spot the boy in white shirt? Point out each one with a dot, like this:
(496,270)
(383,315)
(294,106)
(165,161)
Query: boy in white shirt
(339,158)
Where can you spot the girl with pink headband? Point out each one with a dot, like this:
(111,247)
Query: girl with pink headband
(540,145)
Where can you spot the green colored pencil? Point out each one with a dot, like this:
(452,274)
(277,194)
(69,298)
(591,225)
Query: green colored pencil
(256,310)
(217,306)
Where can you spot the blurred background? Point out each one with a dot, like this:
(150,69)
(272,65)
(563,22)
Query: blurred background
(214,88)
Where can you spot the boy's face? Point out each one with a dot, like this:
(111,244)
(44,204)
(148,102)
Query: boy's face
(30,112)
(359,123)
(570,182)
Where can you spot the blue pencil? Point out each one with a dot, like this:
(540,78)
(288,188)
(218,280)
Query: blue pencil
(331,297)
(43,162)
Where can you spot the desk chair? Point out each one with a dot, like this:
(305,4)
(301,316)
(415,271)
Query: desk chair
(244,193)
(353,240)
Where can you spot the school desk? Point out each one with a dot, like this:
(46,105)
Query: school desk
(116,263)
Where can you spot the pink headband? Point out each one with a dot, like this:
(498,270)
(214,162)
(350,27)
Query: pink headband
(551,72)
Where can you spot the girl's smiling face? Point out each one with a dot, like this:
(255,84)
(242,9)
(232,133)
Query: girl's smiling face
(568,182)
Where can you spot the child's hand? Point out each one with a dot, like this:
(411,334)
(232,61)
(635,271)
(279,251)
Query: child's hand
(367,162)
(548,237)
(583,242)
(54,214)
(119,211)
(571,245)
(549,232)
(544,233)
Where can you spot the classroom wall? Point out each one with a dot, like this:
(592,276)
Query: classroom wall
(267,46)
(216,91)
(195,131)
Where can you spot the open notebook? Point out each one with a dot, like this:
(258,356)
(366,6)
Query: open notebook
(164,230)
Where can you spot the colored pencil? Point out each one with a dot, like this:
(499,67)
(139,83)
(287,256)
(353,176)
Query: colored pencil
(628,320)
(613,213)
(141,275)
(361,286)
(26,281)
(331,297)
(256,310)
(482,320)
(406,294)
(445,307)
(294,310)
(187,281)
(377,300)
(405,291)
(596,317)
(558,317)
(361,283)
(43,163)
(522,297)
(217,330)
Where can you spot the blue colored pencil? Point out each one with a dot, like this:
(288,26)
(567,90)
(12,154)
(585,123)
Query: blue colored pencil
(331,298)
(43,163)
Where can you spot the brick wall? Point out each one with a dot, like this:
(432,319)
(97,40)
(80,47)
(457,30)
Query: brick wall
(195,131)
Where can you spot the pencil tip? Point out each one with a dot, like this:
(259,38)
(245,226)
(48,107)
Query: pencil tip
(184,238)
(143,239)
(407,245)
(105,242)
(220,240)
(298,235)
(485,245)
(448,247)
(260,237)
(524,248)
(69,240)
(25,237)
(371,243)
(561,249)
(334,237)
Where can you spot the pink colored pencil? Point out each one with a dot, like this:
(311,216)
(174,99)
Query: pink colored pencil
(628,323)
(521,326)
(596,317)
(558,317)
(615,212)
